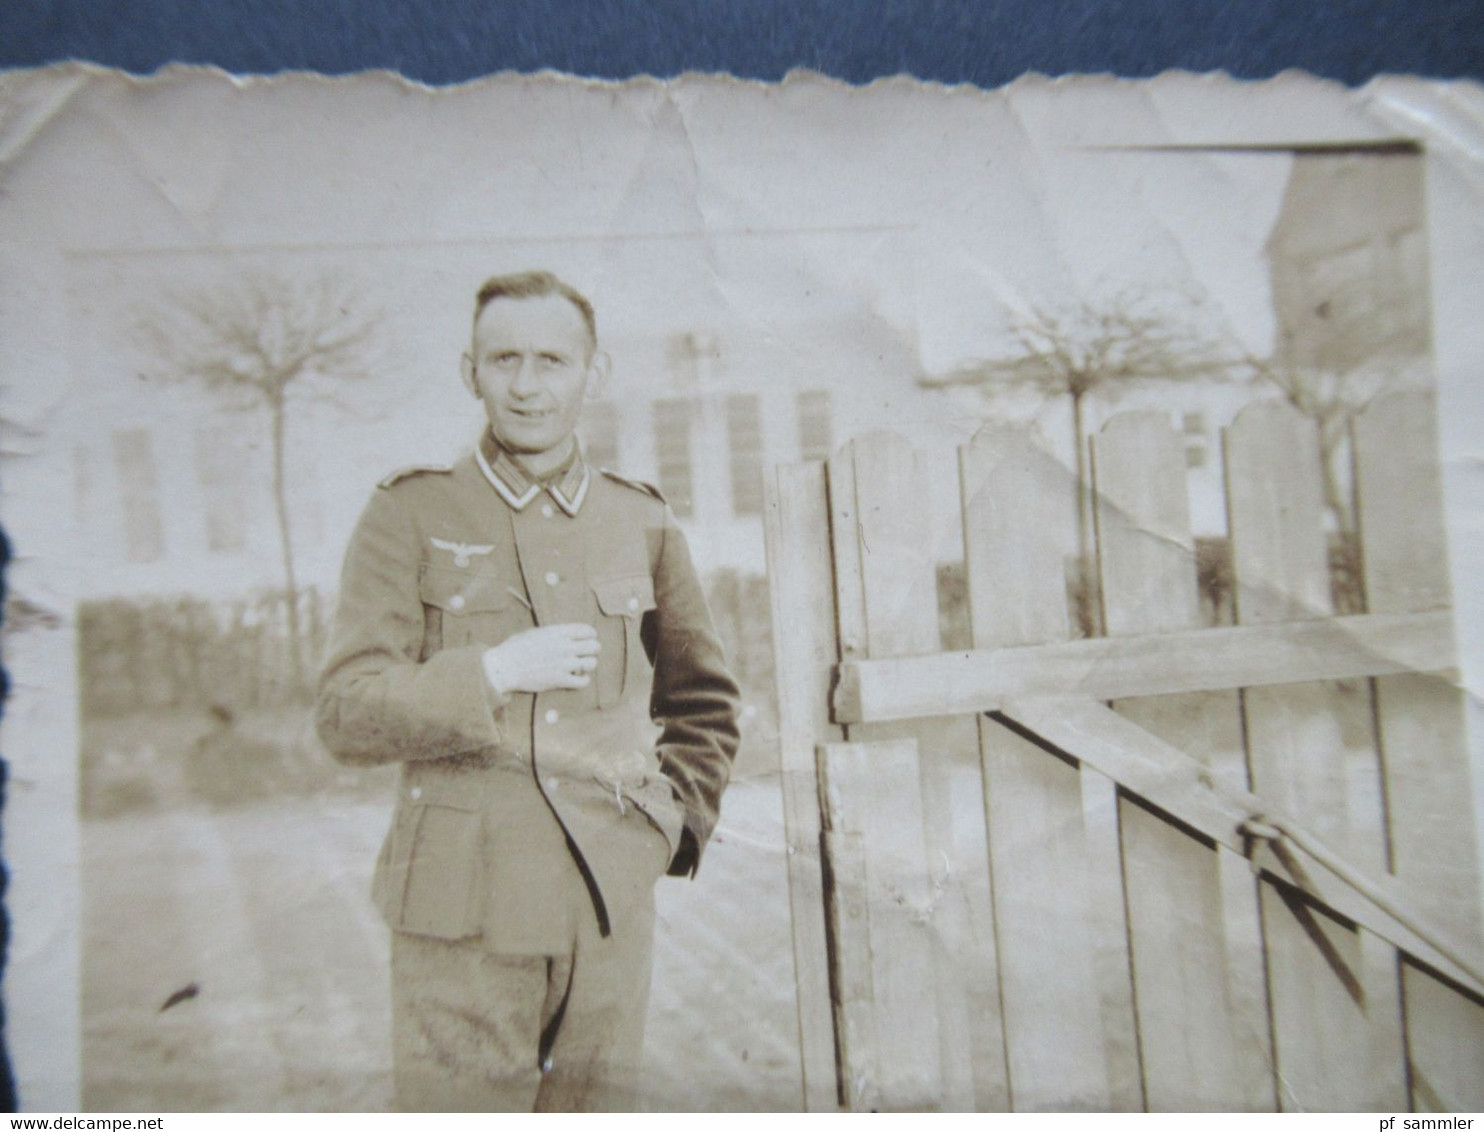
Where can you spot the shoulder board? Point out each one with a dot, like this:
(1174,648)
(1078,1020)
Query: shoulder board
(637,485)
(414,470)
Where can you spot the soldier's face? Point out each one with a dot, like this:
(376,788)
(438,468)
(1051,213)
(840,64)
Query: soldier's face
(532,364)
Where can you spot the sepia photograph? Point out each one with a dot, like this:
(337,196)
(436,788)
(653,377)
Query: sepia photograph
(707,595)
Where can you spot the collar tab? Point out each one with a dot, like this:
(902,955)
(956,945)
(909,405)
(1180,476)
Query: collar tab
(515,485)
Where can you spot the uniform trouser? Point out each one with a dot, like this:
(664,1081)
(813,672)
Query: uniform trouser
(478,1031)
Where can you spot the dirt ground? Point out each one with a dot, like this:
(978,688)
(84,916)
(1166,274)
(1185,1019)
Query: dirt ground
(263,912)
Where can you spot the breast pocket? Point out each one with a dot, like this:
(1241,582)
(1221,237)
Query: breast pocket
(623,602)
(462,607)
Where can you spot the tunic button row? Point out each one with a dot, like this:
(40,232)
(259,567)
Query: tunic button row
(415,793)
(552,715)
(552,782)
(552,578)
(633,603)
(546,511)
(456,602)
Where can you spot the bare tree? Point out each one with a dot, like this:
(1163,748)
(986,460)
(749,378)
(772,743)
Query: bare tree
(1332,399)
(259,339)
(1094,346)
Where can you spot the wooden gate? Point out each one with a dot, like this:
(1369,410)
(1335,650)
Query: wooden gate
(1173,867)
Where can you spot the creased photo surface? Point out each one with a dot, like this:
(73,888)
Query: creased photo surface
(705,595)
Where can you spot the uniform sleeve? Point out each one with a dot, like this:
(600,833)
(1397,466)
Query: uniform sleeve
(695,698)
(377,702)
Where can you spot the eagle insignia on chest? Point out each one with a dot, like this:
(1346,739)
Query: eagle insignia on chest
(462,551)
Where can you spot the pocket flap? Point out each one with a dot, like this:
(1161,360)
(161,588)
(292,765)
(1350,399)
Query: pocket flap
(628,596)
(429,785)
(653,793)
(655,797)
(463,591)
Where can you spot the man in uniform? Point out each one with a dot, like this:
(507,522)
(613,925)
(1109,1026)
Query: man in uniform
(527,637)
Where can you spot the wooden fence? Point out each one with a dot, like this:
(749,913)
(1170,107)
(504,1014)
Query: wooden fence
(1176,867)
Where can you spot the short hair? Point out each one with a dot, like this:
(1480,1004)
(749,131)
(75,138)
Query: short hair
(536,285)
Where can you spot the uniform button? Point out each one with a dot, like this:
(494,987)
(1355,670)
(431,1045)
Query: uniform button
(546,511)
(552,783)
(552,578)
(633,603)
(456,602)
(552,715)
(415,793)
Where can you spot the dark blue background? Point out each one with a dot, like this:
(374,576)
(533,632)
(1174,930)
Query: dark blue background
(989,43)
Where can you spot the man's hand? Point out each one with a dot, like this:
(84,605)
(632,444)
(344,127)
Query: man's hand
(543,660)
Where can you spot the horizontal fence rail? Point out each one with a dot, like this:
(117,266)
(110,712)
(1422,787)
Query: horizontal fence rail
(1106,668)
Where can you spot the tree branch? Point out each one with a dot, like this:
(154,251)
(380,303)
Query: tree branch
(259,332)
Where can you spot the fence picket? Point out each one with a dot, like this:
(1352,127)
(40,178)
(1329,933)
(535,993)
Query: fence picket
(1108,921)
(1017,503)
(886,598)
(884,906)
(1433,840)
(1381,980)
(1445,1032)
(802,595)
(1420,719)
(1300,761)
(1246,990)
(854,1007)
(1203,1022)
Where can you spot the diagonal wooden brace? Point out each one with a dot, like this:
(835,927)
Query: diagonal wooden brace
(1170,780)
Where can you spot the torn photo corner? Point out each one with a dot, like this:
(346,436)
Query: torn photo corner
(1083,476)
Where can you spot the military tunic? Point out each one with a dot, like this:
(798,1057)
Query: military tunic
(524,822)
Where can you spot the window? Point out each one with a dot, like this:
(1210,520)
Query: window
(816,438)
(139,503)
(745,451)
(218,467)
(1193,424)
(600,434)
(692,358)
(672,454)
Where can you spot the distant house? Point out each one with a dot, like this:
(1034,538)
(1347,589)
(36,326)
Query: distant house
(1348,259)
(167,501)
(763,365)
(174,498)
(701,413)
